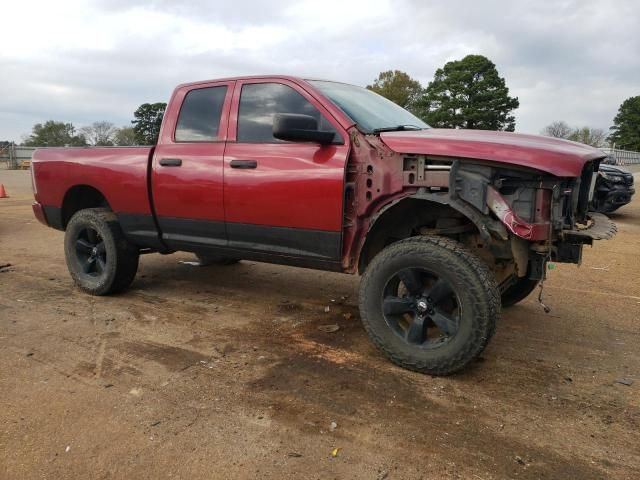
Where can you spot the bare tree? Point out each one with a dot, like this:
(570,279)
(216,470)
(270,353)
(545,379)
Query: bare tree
(596,137)
(558,129)
(99,133)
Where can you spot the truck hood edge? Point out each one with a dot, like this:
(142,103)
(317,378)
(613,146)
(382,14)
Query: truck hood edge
(558,157)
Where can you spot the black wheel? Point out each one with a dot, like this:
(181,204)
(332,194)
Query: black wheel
(100,259)
(518,291)
(429,305)
(206,260)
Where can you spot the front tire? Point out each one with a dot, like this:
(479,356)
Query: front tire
(518,291)
(99,258)
(429,305)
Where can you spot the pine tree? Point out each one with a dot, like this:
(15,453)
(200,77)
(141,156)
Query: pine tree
(469,93)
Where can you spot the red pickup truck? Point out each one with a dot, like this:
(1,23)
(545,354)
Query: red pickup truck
(446,226)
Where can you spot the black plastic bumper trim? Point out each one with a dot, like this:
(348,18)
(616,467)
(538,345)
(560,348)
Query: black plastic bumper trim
(53,216)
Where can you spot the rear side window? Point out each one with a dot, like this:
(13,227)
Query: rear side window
(259,102)
(200,114)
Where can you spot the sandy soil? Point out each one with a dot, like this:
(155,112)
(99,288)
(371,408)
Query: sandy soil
(221,372)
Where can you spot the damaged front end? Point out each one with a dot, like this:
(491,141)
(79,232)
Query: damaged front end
(550,214)
(515,218)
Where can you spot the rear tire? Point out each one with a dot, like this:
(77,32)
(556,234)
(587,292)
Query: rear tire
(429,304)
(206,260)
(518,291)
(99,257)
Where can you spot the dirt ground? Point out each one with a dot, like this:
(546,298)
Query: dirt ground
(221,372)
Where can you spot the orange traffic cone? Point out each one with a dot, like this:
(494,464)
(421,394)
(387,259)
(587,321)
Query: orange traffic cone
(3,192)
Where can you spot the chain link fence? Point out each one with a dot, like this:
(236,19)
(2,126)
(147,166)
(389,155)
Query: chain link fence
(13,156)
(623,157)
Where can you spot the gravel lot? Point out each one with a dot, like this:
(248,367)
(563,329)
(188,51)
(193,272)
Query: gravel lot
(222,372)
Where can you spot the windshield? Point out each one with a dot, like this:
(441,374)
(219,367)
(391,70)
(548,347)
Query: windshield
(369,110)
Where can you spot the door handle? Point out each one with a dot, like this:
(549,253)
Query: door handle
(170,162)
(244,164)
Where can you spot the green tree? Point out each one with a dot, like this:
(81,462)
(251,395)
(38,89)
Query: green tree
(99,133)
(124,137)
(625,132)
(54,134)
(589,136)
(469,93)
(146,125)
(398,87)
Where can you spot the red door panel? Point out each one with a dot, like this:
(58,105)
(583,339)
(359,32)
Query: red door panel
(188,198)
(291,202)
(194,189)
(293,185)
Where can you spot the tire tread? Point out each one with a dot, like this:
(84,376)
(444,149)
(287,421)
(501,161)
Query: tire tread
(127,255)
(485,287)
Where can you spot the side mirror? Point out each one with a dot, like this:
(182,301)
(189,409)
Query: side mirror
(299,128)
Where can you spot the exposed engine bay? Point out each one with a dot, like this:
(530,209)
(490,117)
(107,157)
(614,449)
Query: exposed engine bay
(541,217)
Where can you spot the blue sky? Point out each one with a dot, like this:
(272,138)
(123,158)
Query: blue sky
(82,61)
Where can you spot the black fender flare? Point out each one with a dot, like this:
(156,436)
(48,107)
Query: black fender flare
(486,225)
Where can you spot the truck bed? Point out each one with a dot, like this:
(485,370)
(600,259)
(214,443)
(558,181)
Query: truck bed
(120,173)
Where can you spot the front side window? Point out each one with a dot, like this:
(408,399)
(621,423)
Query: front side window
(200,114)
(259,102)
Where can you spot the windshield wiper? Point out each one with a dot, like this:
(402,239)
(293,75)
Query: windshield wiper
(396,128)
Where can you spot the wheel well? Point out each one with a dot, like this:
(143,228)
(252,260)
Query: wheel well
(80,197)
(411,217)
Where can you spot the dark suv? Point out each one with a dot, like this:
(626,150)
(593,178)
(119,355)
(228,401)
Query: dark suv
(614,187)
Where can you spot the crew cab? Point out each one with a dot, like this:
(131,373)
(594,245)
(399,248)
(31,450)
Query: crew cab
(445,226)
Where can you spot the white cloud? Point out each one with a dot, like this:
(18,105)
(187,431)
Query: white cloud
(82,61)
